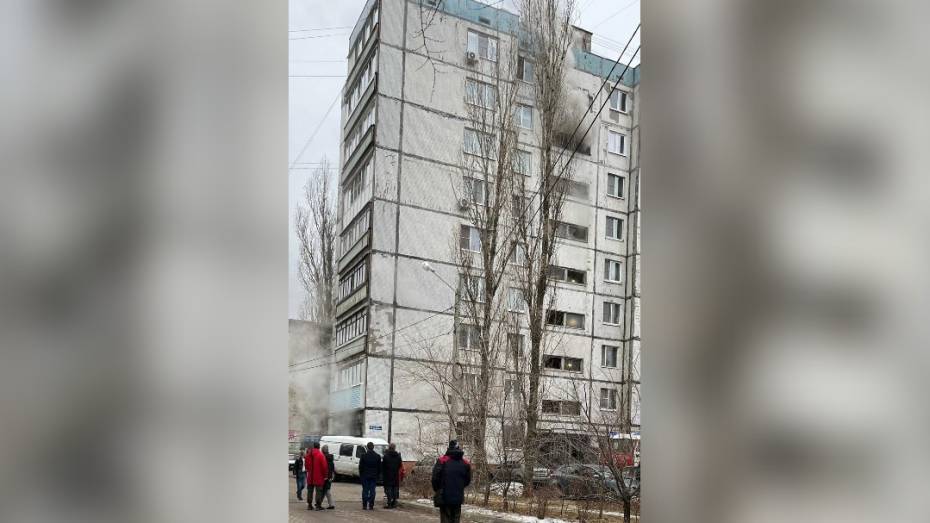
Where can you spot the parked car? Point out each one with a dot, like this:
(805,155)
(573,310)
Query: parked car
(347,450)
(513,472)
(589,481)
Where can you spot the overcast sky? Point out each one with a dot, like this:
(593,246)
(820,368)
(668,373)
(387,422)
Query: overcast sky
(319,40)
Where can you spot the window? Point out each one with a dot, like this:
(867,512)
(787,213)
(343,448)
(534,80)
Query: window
(526,70)
(515,301)
(618,101)
(614,228)
(353,188)
(512,435)
(574,188)
(482,45)
(613,270)
(570,231)
(472,287)
(515,346)
(613,312)
(523,116)
(608,399)
(476,190)
(521,162)
(616,143)
(519,206)
(518,254)
(468,337)
(359,451)
(353,232)
(354,138)
(615,185)
(360,85)
(609,356)
(563,363)
(469,382)
(469,238)
(467,431)
(565,319)
(567,275)
(355,279)
(352,327)
(511,388)
(350,376)
(565,408)
(480,94)
(346,449)
(480,144)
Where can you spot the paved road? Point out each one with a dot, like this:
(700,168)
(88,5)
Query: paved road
(348,500)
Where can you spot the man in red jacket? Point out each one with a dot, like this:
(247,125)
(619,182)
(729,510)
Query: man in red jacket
(317,472)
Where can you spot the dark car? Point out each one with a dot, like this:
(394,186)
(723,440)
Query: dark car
(592,481)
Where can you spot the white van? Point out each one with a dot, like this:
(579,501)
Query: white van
(346,451)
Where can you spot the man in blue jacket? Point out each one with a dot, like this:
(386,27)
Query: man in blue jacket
(369,468)
(451,474)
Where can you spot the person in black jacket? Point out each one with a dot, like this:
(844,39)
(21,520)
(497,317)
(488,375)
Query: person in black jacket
(369,468)
(329,480)
(300,474)
(391,464)
(451,474)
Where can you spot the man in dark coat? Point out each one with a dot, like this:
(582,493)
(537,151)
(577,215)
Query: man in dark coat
(328,486)
(391,465)
(300,474)
(369,468)
(451,474)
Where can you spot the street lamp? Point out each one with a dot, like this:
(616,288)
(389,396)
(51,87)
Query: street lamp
(457,370)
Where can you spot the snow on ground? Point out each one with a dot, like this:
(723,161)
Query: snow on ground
(515,489)
(506,516)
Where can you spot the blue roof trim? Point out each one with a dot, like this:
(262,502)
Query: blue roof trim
(505,21)
(600,66)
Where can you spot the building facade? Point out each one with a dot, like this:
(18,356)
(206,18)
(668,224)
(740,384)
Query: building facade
(405,129)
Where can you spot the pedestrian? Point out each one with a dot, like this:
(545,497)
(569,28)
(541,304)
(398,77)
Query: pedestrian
(317,472)
(391,466)
(329,480)
(451,474)
(369,468)
(301,474)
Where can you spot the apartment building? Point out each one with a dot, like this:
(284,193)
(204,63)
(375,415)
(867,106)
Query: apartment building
(404,131)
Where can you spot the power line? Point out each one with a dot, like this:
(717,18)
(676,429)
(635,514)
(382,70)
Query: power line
(343,33)
(319,29)
(318,127)
(622,9)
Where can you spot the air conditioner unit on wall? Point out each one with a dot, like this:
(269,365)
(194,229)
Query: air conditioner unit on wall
(464,203)
(470,57)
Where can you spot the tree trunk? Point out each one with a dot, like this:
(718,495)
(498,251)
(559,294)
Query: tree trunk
(627,508)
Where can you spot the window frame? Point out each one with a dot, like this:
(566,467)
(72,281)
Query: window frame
(564,315)
(564,275)
(611,133)
(612,307)
(616,352)
(476,236)
(607,270)
(523,110)
(624,97)
(618,228)
(477,36)
(484,95)
(522,62)
(563,363)
(612,399)
(621,185)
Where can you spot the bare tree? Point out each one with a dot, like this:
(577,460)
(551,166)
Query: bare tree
(548,36)
(315,224)
(607,418)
